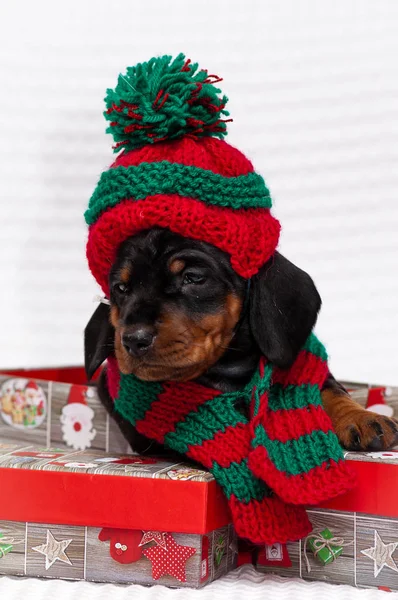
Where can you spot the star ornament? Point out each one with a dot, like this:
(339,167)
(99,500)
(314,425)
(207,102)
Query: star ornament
(159,537)
(53,550)
(171,561)
(381,554)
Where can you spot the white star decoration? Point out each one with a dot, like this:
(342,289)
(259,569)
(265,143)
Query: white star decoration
(53,550)
(381,554)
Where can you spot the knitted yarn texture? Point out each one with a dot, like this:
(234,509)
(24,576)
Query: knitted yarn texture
(175,170)
(270,465)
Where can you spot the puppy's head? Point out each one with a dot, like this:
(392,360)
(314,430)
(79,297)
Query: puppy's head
(175,304)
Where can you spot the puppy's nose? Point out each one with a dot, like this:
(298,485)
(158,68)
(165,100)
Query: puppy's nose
(139,341)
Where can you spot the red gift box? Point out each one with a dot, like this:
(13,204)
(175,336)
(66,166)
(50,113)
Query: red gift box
(365,518)
(105,516)
(362,547)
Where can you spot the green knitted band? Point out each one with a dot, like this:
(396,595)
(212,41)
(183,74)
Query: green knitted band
(237,479)
(294,457)
(203,423)
(292,396)
(131,388)
(314,346)
(150,179)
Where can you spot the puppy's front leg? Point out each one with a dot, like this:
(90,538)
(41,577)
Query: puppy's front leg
(357,428)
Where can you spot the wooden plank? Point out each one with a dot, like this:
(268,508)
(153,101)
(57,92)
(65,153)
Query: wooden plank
(13,563)
(365,534)
(36,561)
(341,570)
(100,566)
(60,394)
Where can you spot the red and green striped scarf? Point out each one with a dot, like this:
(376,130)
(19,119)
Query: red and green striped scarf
(270,465)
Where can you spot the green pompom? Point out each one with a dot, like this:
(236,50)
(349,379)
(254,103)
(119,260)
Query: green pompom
(163,100)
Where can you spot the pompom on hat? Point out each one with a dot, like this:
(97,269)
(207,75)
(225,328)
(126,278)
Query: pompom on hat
(176,171)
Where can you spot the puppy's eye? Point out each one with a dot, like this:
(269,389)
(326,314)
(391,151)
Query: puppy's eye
(120,287)
(193,278)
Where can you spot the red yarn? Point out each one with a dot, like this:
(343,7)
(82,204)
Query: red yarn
(285,425)
(264,521)
(307,369)
(231,445)
(206,153)
(250,236)
(184,398)
(113,376)
(317,485)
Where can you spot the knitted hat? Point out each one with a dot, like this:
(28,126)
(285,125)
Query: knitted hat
(176,171)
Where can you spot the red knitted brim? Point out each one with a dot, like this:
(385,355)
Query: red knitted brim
(249,236)
(317,485)
(269,520)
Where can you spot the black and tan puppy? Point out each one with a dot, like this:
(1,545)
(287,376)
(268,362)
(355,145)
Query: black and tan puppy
(180,312)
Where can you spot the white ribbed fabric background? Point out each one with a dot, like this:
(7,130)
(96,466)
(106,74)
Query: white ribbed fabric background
(313,88)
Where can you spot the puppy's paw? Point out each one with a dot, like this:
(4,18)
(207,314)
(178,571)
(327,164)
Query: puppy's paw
(365,430)
(357,428)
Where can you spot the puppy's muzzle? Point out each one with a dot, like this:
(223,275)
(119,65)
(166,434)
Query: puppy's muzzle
(138,341)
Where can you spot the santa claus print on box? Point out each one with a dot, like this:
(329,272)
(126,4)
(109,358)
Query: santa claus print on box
(376,401)
(77,418)
(23,404)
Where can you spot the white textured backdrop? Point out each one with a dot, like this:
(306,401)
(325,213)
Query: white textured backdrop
(313,90)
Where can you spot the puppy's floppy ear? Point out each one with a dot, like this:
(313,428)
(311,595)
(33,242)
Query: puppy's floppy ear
(284,305)
(99,336)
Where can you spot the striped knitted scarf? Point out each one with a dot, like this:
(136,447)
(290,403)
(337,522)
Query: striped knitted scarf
(270,465)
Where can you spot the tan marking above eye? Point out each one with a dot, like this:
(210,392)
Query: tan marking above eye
(125,274)
(176,266)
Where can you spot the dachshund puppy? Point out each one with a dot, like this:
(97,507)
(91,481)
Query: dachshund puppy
(179,312)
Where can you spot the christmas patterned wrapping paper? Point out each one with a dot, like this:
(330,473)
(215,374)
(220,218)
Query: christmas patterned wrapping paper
(116,555)
(360,547)
(74,528)
(40,408)
(56,407)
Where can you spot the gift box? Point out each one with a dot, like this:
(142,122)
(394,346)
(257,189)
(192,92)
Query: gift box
(355,537)
(362,525)
(107,517)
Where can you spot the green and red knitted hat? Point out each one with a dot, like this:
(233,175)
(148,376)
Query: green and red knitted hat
(176,171)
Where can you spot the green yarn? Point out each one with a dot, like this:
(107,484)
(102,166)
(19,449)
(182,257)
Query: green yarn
(314,346)
(295,457)
(237,479)
(133,388)
(291,396)
(164,99)
(204,423)
(149,179)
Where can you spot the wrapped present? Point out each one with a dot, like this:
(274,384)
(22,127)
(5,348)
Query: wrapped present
(108,517)
(324,546)
(5,546)
(355,536)
(57,407)
(5,549)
